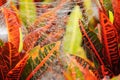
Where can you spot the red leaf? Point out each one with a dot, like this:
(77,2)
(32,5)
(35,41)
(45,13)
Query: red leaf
(13,25)
(3,68)
(15,73)
(116,8)
(2,2)
(110,42)
(10,55)
(106,72)
(9,58)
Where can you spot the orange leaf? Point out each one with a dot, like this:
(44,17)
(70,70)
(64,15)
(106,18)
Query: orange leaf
(13,25)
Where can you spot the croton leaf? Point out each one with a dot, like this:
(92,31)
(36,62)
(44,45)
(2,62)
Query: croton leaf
(73,37)
(116,8)
(3,68)
(111,17)
(98,58)
(85,67)
(73,73)
(107,5)
(34,62)
(2,2)
(14,8)
(90,41)
(13,26)
(94,51)
(1,43)
(39,60)
(21,41)
(9,56)
(27,11)
(15,73)
(110,42)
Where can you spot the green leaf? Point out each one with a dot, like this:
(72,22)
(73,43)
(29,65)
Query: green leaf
(79,74)
(27,11)
(73,37)
(108,5)
(39,60)
(73,73)
(1,43)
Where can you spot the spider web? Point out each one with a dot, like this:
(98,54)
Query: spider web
(64,11)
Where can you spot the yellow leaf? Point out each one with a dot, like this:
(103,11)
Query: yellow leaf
(111,17)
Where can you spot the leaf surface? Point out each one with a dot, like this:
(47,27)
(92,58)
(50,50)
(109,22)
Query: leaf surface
(39,60)
(9,57)
(110,42)
(73,37)
(111,17)
(27,11)
(116,8)
(89,41)
(15,73)
(2,2)
(13,26)
(3,68)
